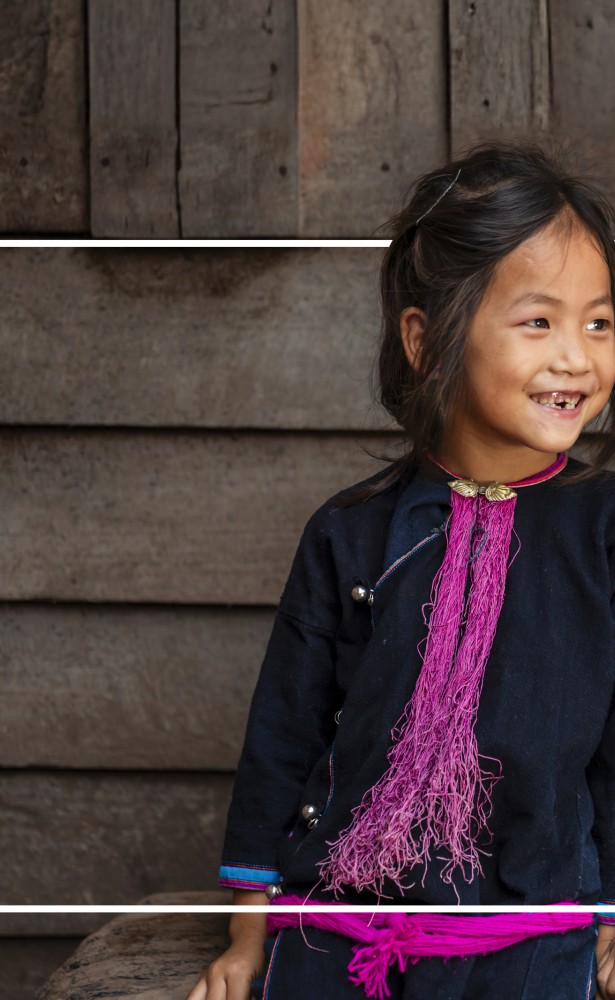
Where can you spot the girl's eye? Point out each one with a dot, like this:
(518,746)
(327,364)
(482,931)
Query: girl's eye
(603,324)
(541,320)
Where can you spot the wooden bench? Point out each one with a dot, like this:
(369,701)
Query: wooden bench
(142,956)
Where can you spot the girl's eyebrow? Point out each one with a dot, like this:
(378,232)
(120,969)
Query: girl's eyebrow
(541,297)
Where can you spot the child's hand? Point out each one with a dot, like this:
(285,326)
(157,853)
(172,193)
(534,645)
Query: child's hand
(605,956)
(229,976)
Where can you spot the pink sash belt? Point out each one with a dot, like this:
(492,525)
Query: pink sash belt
(385,939)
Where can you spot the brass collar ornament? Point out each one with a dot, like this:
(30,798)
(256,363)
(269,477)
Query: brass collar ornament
(470,488)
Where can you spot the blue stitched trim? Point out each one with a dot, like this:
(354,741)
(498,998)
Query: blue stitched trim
(435,533)
(331,777)
(241,873)
(588,985)
(403,559)
(271,964)
(606,916)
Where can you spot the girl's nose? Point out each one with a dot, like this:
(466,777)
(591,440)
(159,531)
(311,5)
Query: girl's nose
(572,355)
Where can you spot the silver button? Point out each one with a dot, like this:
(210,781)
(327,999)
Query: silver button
(309,811)
(273,890)
(362,594)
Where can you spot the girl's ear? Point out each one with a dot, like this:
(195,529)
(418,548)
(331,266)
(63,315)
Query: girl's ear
(412,324)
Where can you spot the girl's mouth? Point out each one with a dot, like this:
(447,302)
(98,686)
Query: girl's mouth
(561,401)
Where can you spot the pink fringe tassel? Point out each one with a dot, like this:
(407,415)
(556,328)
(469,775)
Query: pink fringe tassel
(434,794)
(385,940)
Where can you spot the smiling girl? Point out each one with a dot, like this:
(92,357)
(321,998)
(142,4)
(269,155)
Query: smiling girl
(434,719)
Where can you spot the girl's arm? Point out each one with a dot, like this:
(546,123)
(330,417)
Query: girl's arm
(605,957)
(291,724)
(229,976)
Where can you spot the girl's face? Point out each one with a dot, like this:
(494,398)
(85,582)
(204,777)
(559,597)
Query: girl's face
(540,356)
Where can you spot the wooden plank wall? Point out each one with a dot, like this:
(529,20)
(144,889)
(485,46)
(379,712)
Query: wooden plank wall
(153,403)
(167,118)
(133,126)
(506,94)
(43,117)
(27,961)
(170,420)
(34,945)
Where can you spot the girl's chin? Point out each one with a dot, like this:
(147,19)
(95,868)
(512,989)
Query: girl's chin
(550,443)
(560,430)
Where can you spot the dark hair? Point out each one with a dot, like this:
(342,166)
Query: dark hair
(446,244)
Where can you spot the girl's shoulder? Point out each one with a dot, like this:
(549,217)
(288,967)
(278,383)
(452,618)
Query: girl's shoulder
(370,500)
(340,536)
(356,519)
(600,484)
(586,501)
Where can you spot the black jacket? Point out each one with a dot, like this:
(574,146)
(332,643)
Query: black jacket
(545,710)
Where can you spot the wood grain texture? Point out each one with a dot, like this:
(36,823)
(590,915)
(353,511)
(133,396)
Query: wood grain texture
(133,128)
(50,925)
(582,43)
(238,173)
(372,109)
(43,171)
(27,963)
(111,687)
(157,957)
(499,69)
(64,925)
(203,338)
(108,838)
(164,517)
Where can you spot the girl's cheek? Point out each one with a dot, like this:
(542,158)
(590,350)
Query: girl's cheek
(610,373)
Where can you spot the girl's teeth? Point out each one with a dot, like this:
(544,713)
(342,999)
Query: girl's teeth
(558,400)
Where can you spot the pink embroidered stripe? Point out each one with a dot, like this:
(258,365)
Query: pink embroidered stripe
(228,883)
(539,477)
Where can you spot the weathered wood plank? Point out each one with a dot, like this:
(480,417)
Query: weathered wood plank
(372,109)
(50,925)
(499,69)
(143,688)
(133,127)
(43,170)
(582,42)
(238,173)
(203,338)
(65,925)
(158,957)
(26,964)
(163,516)
(108,838)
